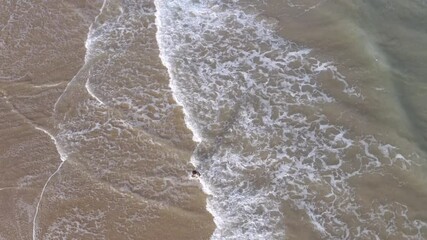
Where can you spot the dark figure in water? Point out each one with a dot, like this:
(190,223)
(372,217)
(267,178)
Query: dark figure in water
(195,173)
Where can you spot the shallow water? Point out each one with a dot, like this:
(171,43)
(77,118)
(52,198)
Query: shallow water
(307,119)
(103,152)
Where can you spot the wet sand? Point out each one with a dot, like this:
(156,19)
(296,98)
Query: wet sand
(73,195)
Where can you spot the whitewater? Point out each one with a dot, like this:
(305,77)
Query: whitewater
(254,102)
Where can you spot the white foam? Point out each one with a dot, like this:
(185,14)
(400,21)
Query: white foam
(254,112)
(89,49)
(90,91)
(189,123)
(48,85)
(63,157)
(61,152)
(8,188)
(40,199)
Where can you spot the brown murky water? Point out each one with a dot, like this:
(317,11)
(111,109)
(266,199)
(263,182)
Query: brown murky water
(308,119)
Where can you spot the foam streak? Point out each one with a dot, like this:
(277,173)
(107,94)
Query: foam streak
(63,158)
(62,154)
(41,197)
(86,59)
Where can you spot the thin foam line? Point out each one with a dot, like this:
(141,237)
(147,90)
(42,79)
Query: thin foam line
(6,188)
(91,92)
(85,60)
(62,155)
(63,158)
(41,197)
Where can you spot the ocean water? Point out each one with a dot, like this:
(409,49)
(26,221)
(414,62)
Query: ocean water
(305,118)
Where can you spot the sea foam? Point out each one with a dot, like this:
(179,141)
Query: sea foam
(253,103)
